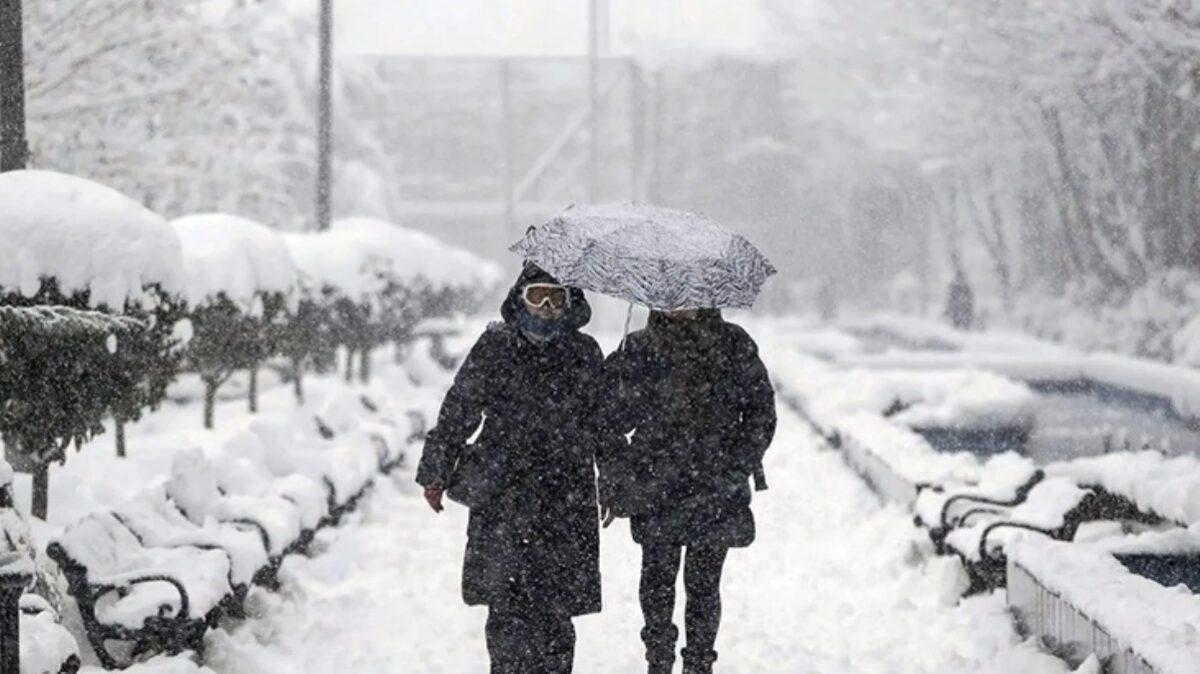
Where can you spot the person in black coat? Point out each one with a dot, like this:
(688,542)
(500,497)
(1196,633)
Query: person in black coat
(529,478)
(695,402)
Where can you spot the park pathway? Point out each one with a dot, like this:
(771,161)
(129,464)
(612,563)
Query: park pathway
(836,583)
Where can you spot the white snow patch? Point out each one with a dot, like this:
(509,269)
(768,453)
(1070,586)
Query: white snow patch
(226,254)
(84,235)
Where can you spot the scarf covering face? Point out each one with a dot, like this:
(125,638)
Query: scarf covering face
(539,329)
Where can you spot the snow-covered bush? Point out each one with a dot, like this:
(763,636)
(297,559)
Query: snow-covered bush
(239,283)
(343,281)
(424,277)
(75,254)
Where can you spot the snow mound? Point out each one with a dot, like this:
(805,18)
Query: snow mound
(234,256)
(85,235)
(416,255)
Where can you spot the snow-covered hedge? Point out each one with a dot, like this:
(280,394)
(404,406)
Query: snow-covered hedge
(448,278)
(70,242)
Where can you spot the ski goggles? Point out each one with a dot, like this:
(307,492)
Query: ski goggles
(546,294)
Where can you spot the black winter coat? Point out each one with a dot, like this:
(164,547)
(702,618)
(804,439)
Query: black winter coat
(536,541)
(698,402)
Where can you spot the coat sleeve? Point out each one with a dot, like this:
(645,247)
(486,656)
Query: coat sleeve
(615,419)
(461,413)
(756,401)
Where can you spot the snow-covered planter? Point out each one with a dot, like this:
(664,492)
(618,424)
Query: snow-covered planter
(74,244)
(1082,599)
(239,283)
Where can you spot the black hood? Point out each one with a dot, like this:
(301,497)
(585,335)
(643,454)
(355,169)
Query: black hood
(577,316)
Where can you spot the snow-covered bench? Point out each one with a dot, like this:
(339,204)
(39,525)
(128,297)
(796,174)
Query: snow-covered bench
(46,646)
(152,598)
(157,522)
(1126,491)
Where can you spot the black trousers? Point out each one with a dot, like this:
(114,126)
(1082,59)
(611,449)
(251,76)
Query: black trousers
(530,642)
(702,615)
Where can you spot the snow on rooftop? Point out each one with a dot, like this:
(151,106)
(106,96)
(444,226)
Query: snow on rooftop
(85,235)
(417,255)
(232,255)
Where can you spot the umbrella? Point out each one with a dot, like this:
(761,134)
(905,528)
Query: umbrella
(662,258)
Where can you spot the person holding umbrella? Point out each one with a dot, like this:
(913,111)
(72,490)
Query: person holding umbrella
(529,476)
(690,394)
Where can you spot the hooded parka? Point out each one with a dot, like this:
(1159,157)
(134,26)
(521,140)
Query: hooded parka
(533,539)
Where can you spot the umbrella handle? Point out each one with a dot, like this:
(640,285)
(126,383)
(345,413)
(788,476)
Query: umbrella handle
(624,337)
(628,319)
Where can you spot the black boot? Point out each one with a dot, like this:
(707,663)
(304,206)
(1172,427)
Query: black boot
(661,667)
(698,662)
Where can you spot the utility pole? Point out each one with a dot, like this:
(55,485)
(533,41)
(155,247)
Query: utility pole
(508,147)
(324,118)
(597,30)
(14,148)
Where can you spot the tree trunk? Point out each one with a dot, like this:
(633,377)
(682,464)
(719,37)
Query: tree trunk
(119,432)
(298,381)
(252,391)
(364,369)
(41,491)
(349,366)
(14,148)
(210,402)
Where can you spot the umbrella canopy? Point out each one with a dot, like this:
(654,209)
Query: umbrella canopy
(662,258)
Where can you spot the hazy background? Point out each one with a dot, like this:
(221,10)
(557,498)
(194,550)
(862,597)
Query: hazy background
(872,147)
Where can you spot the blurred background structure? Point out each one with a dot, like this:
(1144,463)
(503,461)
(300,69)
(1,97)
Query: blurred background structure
(877,148)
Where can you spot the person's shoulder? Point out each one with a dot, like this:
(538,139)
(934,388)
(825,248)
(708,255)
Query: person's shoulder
(498,334)
(742,341)
(581,340)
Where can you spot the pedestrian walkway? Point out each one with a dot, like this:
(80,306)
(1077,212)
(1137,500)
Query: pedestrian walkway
(836,583)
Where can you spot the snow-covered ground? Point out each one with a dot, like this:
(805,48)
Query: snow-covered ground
(836,583)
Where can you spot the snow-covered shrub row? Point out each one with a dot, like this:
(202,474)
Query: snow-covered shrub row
(1160,624)
(375,281)
(216,291)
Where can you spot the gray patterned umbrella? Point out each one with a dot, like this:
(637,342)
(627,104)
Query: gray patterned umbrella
(662,258)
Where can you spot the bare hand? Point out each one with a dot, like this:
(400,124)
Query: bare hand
(433,496)
(607,516)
